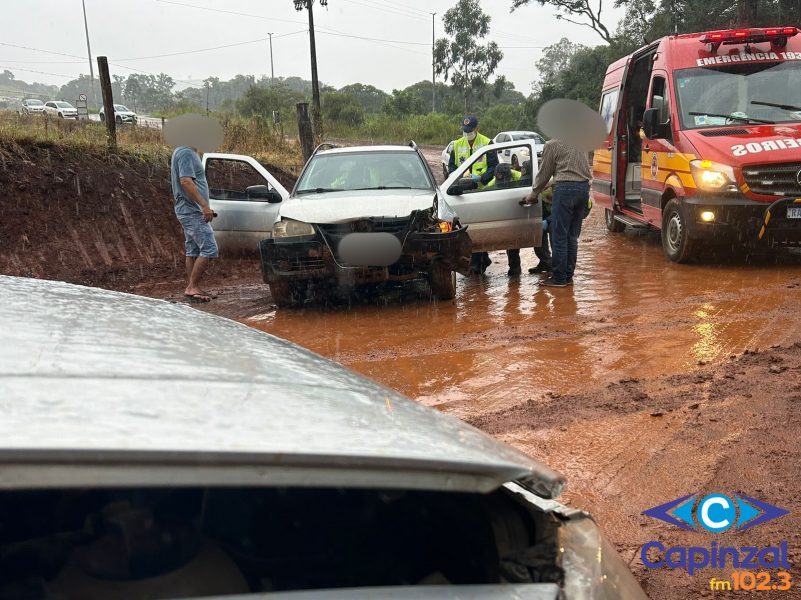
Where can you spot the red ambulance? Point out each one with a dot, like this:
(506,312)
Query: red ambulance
(705,140)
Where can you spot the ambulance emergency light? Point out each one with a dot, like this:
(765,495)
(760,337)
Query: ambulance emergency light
(777,35)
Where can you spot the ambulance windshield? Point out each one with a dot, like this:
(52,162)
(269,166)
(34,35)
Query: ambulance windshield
(749,92)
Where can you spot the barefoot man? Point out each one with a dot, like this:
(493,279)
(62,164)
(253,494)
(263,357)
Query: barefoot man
(191,194)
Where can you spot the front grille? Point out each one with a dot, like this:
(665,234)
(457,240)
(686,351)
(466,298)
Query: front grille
(722,132)
(366,226)
(333,233)
(287,260)
(774,180)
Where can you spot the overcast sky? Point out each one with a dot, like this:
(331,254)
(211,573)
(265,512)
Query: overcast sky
(129,32)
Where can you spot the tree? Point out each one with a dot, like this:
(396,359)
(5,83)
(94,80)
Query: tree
(342,108)
(581,12)
(554,62)
(404,103)
(462,59)
(370,97)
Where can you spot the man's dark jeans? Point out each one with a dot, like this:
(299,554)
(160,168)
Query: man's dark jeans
(569,206)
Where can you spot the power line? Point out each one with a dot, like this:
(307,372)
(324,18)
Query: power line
(230,12)
(387,9)
(45,62)
(40,50)
(39,72)
(204,49)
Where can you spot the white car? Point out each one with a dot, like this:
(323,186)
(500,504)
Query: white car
(446,159)
(32,106)
(518,157)
(122,114)
(356,194)
(60,109)
(131,467)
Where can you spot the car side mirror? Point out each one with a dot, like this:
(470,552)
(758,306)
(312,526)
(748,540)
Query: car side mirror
(650,123)
(455,189)
(262,193)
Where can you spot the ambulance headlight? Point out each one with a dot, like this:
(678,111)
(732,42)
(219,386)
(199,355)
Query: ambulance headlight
(713,177)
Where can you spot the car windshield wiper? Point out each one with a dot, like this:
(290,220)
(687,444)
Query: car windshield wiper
(732,117)
(319,190)
(385,187)
(781,106)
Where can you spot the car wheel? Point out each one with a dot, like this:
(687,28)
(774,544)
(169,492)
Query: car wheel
(102,118)
(442,281)
(118,120)
(612,224)
(60,115)
(287,293)
(676,242)
(445,171)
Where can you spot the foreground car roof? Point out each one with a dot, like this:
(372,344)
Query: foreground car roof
(349,149)
(105,388)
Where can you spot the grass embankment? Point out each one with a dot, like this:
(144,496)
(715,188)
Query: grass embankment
(242,136)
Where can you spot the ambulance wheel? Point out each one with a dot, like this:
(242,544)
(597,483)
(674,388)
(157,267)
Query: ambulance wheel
(612,224)
(442,281)
(676,242)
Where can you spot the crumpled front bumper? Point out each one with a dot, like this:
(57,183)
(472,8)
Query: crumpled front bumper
(312,257)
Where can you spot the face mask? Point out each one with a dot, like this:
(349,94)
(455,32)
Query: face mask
(470,136)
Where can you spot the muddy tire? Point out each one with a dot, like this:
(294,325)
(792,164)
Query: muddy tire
(612,224)
(676,242)
(286,293)
(443,282)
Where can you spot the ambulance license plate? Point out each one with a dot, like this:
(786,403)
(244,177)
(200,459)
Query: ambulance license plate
(794,212)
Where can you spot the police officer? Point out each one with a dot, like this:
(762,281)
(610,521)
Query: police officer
(481,172)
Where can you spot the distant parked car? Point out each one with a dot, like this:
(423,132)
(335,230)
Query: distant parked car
(446,158)
(122,114)
(519,156)
(60,109)
(32,106)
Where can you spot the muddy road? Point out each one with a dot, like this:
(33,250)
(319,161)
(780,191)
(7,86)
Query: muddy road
(644,382)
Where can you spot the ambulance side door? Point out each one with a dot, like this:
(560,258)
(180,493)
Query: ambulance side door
(659,156)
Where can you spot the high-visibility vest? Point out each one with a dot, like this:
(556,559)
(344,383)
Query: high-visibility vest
(516,175)
(462,151)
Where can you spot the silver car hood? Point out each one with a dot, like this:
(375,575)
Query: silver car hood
(104,388)
(340,207)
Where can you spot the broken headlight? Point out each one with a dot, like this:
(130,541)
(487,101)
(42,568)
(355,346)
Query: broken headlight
(290,228)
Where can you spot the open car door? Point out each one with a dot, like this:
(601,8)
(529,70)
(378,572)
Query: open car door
(246,198)
(493,213)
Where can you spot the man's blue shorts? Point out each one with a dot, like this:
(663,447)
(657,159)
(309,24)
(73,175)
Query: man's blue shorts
(198,236)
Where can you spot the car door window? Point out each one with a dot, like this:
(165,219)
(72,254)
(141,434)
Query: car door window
(229,179)
(508,175)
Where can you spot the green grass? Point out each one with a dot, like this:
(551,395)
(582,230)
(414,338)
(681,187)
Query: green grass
(242,136)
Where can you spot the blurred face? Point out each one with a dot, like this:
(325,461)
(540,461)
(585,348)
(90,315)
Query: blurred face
(472,135)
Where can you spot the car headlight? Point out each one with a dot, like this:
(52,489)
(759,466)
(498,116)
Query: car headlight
(290,228)
(525,152)
(713,177)
(592,567)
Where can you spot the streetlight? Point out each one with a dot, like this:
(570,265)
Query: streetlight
(308,4)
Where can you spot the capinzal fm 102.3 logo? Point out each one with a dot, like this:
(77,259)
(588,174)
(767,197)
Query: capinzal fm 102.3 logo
(715,513)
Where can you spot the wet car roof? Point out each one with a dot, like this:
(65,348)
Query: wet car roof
(367,149)
(109,388)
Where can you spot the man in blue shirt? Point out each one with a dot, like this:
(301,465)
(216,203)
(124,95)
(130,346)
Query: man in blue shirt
(191,194)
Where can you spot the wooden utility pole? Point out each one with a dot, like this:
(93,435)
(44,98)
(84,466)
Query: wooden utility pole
(433,67)
(305,132)
(316,112)
(108,102)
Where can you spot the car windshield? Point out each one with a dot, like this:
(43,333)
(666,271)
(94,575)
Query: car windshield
(34,102)
(63,104)
(755,92)
(369,170)
(121,108)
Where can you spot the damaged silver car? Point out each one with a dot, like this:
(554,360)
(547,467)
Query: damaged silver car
(133,467)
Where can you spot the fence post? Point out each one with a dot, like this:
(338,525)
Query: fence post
(305,132)
(108,102)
